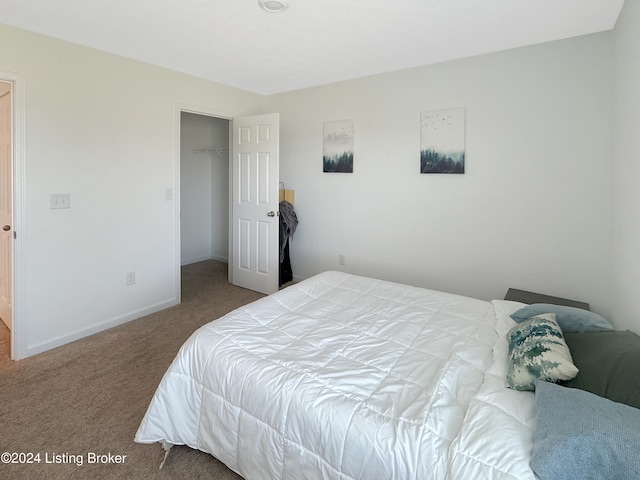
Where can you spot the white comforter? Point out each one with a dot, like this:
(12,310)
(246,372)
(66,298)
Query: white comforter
(346,377)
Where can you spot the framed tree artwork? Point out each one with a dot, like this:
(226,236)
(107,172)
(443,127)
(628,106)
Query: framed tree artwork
(337,154)
(442,147)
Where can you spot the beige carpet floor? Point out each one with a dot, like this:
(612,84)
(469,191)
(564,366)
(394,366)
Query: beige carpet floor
(89,396)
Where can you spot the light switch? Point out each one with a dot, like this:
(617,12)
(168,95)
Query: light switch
(59,200)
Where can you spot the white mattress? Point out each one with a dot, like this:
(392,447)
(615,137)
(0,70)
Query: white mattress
(347,377)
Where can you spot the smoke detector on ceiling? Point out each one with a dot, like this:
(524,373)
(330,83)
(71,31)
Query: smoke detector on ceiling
(274,6)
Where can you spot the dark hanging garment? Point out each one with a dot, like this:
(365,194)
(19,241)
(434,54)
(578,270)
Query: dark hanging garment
(288,224)
(286,274)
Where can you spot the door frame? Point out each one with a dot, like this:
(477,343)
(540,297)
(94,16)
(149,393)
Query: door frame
(198,110)
(19,341)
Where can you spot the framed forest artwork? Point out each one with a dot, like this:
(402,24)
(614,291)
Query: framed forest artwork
(442,148)
(337,146)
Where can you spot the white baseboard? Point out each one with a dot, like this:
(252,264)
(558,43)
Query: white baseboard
(189,261)
(60,341)
(203,259)
(298,278)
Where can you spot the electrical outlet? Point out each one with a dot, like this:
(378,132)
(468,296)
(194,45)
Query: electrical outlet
(341,260)
(130,278)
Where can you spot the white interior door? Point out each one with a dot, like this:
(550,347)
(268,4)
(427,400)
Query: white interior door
(6,182)
(254,209)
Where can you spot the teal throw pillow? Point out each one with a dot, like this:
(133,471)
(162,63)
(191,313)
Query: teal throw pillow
(537,350)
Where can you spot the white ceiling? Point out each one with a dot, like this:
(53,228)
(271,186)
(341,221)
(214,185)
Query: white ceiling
(236,43)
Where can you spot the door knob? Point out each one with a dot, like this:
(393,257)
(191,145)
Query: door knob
(6,228)
(271,214)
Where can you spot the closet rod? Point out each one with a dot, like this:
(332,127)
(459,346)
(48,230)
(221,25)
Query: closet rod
(219,151)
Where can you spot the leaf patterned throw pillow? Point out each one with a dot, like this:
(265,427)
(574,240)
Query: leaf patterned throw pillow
(537,350)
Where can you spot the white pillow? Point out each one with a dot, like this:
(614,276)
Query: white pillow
(503,310)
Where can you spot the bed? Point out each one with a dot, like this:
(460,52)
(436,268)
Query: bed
(348,377)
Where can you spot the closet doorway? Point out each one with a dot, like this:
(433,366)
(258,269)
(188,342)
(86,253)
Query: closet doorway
(204,188)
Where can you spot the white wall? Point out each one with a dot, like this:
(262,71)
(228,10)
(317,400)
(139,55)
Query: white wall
(204,187)
(220,191)
(532,210)
(626,170)
(195,188)
(104,129)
